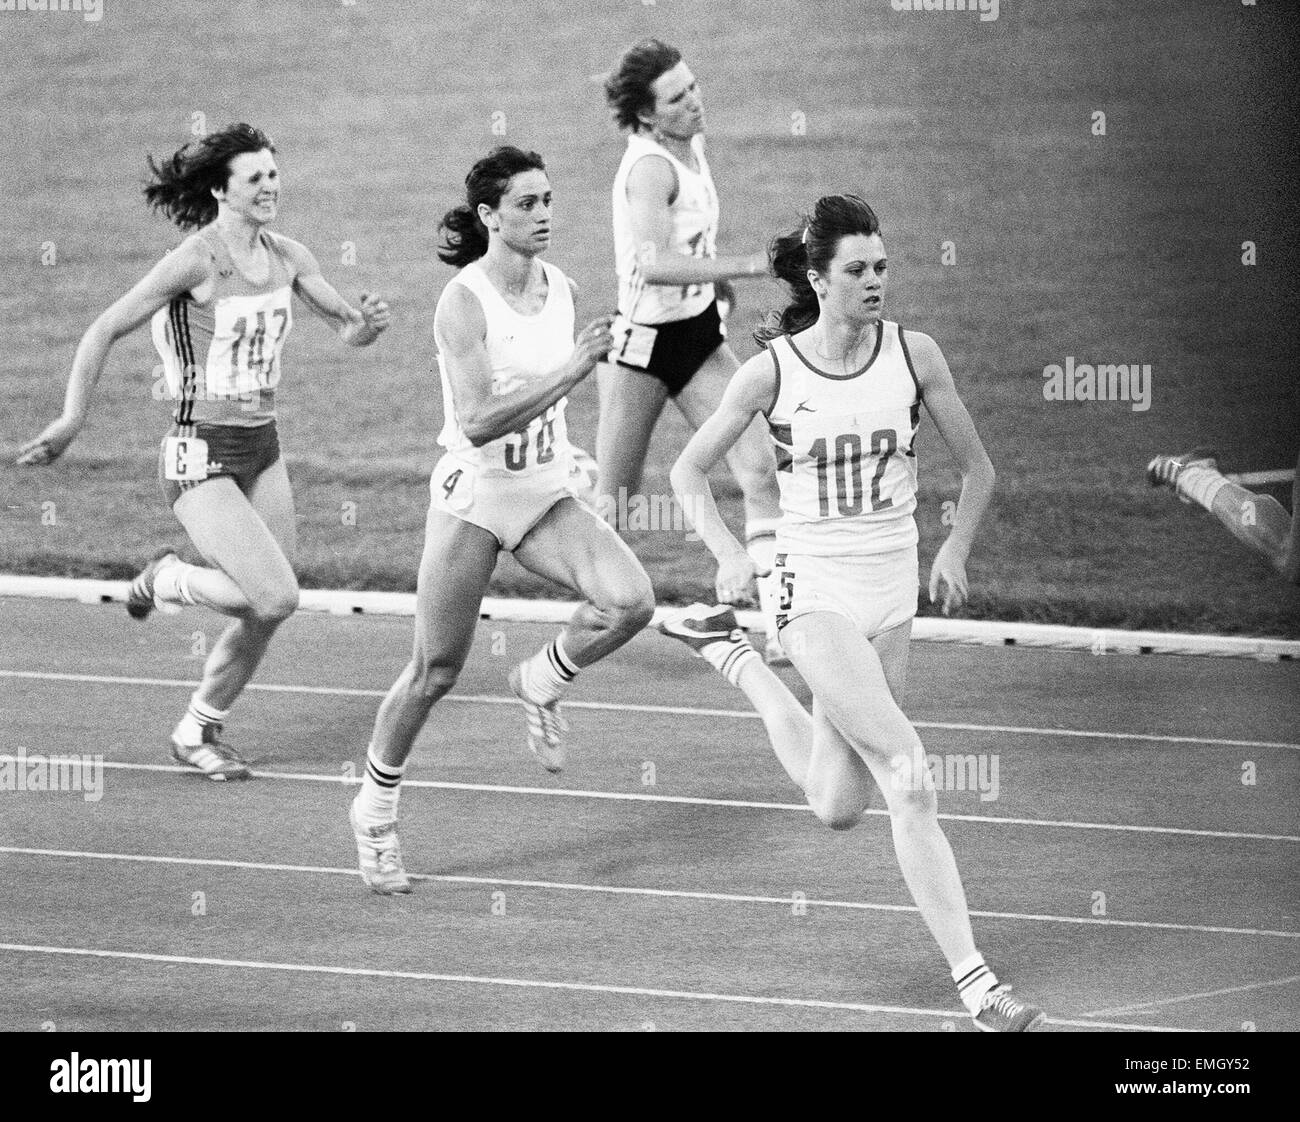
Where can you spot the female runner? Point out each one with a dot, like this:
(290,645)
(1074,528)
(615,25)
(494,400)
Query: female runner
(504,329)
(841,390)
(221,308)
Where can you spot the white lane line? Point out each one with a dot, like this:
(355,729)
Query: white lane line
(623,890)
(693,800)
(666,710)
(1155,1005)
(533,983)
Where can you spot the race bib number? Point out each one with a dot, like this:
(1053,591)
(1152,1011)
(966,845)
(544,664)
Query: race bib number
(633,342)
(455,483)
(185,459)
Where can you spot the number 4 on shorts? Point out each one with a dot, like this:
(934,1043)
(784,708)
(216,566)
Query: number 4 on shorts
(449,484)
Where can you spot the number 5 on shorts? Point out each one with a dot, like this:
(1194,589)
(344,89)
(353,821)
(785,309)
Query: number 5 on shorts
(787,590)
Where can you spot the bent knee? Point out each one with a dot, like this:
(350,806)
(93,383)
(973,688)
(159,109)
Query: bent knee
(275,605)
(836,813)
(633,610)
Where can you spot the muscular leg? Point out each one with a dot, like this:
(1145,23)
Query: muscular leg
(251,543)
(849,678)
(457,564)
(573,547)
(630,404)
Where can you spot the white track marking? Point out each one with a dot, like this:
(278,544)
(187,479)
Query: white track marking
(1254,478)
(534,983)
(624,890)
(1154,1006)
(666,710)
(694,800)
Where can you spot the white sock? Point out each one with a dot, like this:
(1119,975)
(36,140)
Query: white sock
(1200,484)
(172,583)
(381,785)
(545,675)
(974,979)
(197,717)
(729,657)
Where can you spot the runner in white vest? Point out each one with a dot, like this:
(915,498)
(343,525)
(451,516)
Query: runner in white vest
(841,389)
(507,356)
(669,339)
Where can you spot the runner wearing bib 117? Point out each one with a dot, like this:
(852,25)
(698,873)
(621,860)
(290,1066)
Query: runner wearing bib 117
(221,310)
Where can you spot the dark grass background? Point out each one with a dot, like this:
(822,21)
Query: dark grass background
(1121,248)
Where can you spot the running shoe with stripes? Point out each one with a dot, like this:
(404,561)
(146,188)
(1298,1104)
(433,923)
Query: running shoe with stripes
(140,600)
(379,856)
(701,626)
(1000,1012)
(212,756)
(546,725)
(1163,471)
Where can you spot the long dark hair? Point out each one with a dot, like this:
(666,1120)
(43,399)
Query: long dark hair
(181,187)
(464,237)
(627,89)
(812,246)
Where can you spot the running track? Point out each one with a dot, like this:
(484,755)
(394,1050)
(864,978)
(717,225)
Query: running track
(599,900)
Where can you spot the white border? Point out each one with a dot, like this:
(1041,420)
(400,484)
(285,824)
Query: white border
(926,629)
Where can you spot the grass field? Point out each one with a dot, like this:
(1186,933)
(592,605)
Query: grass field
(1124,248)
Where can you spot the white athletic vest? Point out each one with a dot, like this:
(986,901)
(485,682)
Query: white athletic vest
(521,349)
(695,233)
(845,463)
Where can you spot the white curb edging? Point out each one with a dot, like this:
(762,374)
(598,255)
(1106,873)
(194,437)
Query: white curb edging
(926,629)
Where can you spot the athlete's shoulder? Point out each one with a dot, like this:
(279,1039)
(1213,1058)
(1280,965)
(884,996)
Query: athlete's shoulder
(757,383)
(298,255)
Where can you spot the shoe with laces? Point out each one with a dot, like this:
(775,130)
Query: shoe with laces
(216,759)
(546,725)
(1163,471)
(379,856)
(1000,1012)
(140,600)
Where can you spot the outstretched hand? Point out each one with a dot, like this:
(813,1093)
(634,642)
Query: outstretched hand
(50,444)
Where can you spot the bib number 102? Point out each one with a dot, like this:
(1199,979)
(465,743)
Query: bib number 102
(516,447)
(844,464)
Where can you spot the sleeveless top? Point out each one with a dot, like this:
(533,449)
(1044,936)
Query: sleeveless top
(521,349)
(845,462)
(221,358)
(694,213)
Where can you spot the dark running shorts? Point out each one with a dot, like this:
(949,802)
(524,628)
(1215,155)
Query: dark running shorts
(681,347)
(239,452)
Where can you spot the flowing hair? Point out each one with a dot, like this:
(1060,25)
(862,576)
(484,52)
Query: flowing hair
(181,187)
(627,89)
(464,238)
(812,246)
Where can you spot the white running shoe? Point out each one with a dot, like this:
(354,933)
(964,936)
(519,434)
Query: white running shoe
(546,724)
(379,855)
(212,756)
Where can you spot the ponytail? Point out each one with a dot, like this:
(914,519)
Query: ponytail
(812,246)
(464,237)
